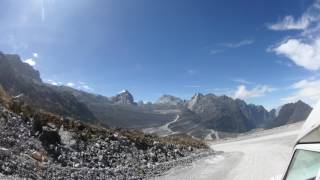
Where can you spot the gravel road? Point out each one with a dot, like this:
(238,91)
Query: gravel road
(251,158)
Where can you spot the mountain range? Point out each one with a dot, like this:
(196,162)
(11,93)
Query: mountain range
(202,115)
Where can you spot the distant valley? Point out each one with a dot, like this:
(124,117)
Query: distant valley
(202,116)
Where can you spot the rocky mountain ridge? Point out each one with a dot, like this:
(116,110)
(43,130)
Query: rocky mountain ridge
(19,79)
(202,113)
(124,97)
(170,100)
(291,113)
(205,115)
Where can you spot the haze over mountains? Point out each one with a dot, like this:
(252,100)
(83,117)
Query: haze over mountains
(202,115)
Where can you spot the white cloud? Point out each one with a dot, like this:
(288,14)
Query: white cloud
(70,84)
(86,87)
(307,90)
(307,19)
(304,49)
(30,61)
(55,83)
(242,81)
(302,54)
(78,85)
(260,90)
(288,23)
(231,45)
(238,44)
(83,86)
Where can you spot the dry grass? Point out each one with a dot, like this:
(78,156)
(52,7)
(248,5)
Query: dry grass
(5,99)
(88,131)
(183,140)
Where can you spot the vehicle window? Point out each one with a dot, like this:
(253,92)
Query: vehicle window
(304,166)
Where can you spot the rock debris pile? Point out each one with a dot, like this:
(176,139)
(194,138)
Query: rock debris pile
(29,149)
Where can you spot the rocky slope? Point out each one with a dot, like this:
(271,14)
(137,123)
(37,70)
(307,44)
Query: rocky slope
(42,148)
(124,113)
(223,113)
(210,116)
(19,79)
(291,113)
(124,97)
(170,100)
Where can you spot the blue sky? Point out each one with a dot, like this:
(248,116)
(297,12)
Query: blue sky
(265,52)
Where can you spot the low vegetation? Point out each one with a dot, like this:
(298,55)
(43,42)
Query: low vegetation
(37,144)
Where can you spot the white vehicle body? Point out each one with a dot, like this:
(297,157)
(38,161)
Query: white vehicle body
(305,160)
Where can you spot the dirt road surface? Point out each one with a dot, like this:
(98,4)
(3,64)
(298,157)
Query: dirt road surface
(256,157)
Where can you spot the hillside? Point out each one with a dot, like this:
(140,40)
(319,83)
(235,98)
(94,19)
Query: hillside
(47,147)
(19,79)
(211,117)
(291,113)
(201,116)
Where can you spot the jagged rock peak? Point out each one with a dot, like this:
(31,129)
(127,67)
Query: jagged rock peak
(197,96)
(124,97)
(12,65)
(169,100)
(293,112)
(194,100)
(276,111)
